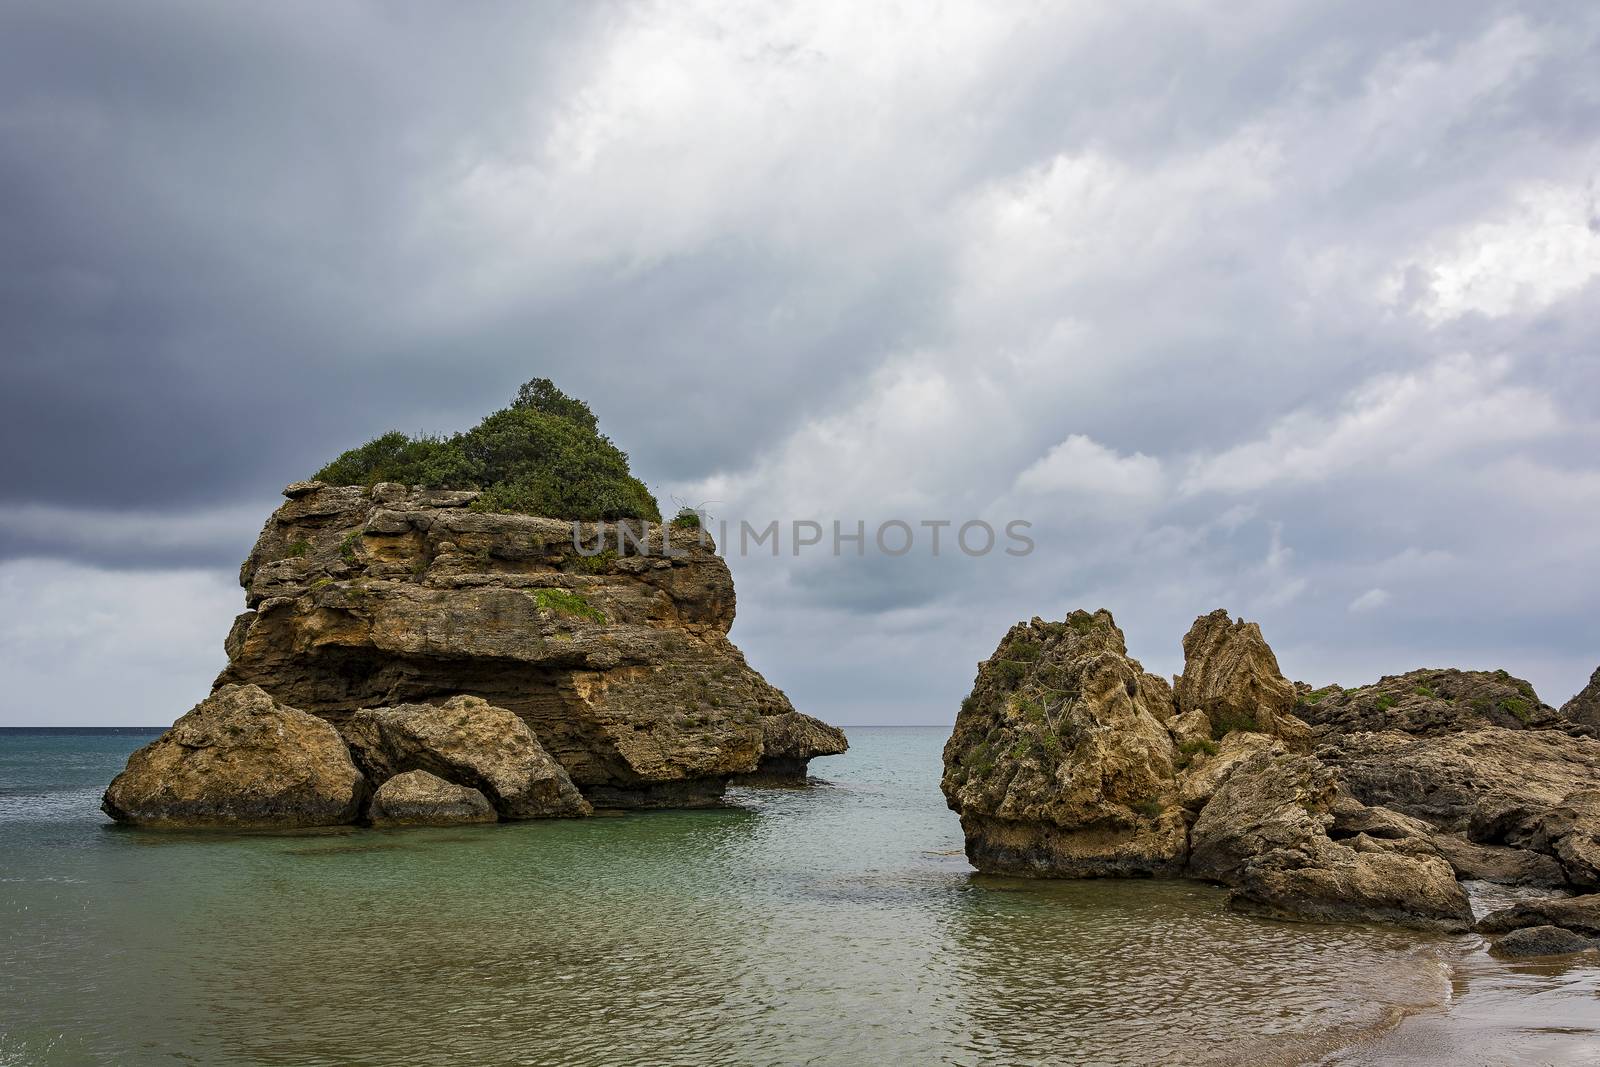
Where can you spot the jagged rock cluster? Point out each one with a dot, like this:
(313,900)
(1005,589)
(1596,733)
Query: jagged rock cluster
(407,632)
(1070,760)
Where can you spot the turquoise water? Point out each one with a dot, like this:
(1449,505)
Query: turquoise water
(837,924)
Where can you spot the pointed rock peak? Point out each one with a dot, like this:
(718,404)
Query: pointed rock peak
(1231,675)
(1585,707)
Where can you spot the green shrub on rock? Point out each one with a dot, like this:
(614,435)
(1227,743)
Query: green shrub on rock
(543,455)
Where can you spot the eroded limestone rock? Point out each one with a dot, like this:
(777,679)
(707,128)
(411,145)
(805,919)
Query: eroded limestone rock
(1265,832)
(1431,703)
(1530,790)
(1059,764)
(1065,761)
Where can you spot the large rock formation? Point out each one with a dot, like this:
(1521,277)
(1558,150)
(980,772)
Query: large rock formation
(616,656)
(1069,760)
(1529,790)
(239,760)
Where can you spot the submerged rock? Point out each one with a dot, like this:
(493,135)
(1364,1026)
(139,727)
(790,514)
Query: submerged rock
(469,742)
(239,760)
(616,656)
(417,798)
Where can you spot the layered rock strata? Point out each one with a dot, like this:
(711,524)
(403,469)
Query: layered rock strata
(615,653)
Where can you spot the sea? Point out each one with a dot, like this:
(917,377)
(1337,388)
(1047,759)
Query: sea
(834,924)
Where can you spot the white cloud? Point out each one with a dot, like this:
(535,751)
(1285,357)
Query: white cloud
(1081,465)
(83,644)
(1371,600)
(1393,422)
(1545,249)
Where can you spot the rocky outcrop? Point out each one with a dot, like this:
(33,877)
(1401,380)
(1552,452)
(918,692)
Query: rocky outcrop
(616,656)
(466,741)
(788,744)
(1266,832)
(1585,707)
(239,760)
(1069,760)
(1431,703)
(1498,864)
(1528,790)
(417,798)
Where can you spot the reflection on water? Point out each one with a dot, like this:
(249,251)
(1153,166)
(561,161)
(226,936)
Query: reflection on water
(836,925)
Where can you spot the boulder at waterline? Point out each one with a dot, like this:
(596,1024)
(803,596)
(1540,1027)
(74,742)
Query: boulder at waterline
(1265,832)
(470,742)
(417,798)
(239,760)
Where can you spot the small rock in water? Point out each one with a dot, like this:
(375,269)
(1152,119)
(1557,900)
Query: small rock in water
(417,798)
(1541,941)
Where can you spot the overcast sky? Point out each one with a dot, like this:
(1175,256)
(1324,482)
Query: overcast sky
(1285,308)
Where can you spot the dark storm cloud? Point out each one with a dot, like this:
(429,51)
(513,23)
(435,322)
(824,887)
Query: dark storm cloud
(1284,307)
(203,214)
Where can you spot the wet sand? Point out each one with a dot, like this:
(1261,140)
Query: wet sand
(1499,1012)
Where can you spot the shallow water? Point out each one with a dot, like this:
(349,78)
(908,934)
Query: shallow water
(833,925)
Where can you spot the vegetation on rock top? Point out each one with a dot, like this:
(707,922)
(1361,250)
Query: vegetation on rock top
(543,455)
